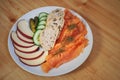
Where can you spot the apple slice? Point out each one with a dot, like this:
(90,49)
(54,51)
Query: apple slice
(24,29)
(23,38)
(27,50)
(29,56)
(19,42)
(35,62)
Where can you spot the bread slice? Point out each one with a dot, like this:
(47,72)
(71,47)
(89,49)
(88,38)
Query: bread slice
(56,18)
(55,22)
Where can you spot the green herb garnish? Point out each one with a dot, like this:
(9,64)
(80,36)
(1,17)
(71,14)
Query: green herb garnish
(69,39)
(60,50)
(72,26)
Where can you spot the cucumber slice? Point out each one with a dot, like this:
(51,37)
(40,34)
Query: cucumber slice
(41,27)
(44,18)
(36,37)
(42,14)
(42,23)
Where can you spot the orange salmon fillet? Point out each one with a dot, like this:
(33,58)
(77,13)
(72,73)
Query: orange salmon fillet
(69,45)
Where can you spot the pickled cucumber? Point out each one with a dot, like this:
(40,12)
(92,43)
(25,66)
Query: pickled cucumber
(36,20)
(32,25)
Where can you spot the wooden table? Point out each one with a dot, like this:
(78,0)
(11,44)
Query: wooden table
(103,17)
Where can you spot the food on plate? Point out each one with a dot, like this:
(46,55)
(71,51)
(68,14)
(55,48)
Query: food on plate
(23,38)
(42,20)
(36,20)
(31,49)
(72,36)
(37,25)
(23,28)
(35,62)
(19,42)
(50,39)
(43,14)
(55,22)
(32,25)
(25,47)
(29,56)
(36,37)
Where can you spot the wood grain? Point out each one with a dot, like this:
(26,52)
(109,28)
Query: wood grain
(103,17)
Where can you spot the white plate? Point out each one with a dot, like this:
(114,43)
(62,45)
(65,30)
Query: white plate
(63,69)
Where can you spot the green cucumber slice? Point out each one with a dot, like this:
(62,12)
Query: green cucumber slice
(42,14)
(44,18)
(42,23)
(41,27)
(36,37)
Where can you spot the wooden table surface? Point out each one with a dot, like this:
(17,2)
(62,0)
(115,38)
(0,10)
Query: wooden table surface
(103,17)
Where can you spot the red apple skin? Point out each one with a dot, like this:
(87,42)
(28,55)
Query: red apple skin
(22,39)
(32,59)
(19,44)
(29,58)
(30,65)
(27,52)
(29,37)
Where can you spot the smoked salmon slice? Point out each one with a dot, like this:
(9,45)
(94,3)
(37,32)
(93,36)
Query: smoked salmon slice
(69,44)
(63,57)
